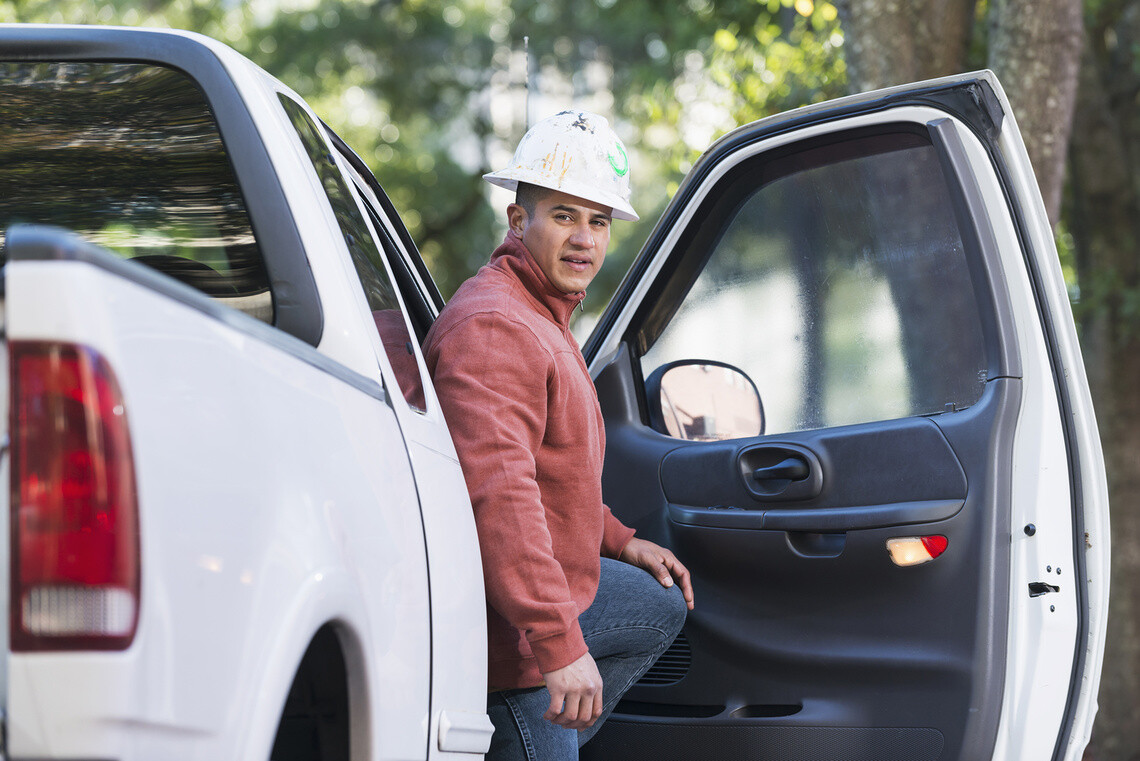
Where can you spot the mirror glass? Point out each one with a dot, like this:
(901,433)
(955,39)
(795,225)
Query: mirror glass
(704,401)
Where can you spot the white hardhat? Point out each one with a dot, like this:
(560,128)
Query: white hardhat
(577,153)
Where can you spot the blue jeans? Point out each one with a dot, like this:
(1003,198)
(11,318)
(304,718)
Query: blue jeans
(631,622)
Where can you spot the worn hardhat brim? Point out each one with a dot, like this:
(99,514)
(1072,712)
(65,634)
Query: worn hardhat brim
(510,179)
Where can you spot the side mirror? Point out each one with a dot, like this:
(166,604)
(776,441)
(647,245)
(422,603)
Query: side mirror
(703,400)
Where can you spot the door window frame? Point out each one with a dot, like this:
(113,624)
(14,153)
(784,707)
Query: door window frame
(657,284)
(381,239)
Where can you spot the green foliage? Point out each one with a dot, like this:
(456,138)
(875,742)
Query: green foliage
(682,75)
(430,92)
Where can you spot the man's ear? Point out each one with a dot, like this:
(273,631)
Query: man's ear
(517,219)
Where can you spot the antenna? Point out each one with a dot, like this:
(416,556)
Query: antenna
(526,106)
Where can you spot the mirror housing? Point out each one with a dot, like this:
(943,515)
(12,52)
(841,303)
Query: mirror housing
(703,400)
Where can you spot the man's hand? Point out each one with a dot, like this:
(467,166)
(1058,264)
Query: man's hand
(660,562)
(575,694)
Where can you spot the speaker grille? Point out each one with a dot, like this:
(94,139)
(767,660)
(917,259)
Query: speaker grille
(671,667)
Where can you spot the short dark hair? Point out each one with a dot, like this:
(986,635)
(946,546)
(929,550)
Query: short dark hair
(528,196)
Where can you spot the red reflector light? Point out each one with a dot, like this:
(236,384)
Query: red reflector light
(74,523)
(935,545)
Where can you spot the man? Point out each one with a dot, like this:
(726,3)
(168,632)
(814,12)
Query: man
(573,617)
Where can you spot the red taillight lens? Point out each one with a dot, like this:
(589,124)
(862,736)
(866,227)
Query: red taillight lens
(75,556)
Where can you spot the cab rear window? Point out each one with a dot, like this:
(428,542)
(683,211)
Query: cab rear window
(129,156)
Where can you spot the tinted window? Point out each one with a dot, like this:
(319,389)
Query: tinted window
(129,156)
(835,277)
(378,289)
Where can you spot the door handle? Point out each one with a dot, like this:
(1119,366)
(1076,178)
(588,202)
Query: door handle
(790,469)
(780,471)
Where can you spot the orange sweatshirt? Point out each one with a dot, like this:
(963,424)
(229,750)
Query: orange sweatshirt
(524,416)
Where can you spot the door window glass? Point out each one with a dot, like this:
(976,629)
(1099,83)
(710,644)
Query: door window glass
(129,156)
(387,312)
(835,277)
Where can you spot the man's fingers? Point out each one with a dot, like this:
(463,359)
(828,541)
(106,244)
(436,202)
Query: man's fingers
(572,693)
(557,700)
(562,715)
(589,710)
(657,564)
(576,708)
(577,713)
(679,570)
(585,713)
(662,564)
(571,712)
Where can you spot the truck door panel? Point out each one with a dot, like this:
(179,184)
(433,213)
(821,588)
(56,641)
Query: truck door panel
(856,265)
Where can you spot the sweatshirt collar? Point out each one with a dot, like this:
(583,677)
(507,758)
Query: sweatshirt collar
(514,257)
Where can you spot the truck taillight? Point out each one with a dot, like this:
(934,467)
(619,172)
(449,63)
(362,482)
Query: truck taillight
(74,514)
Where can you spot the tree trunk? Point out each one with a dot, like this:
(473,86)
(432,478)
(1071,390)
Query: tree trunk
(890,42)
(1035,48)
(1104,215)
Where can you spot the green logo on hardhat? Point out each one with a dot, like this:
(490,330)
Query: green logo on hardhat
(620,163)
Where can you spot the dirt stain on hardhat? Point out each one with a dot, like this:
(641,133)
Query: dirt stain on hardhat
(557,163)
(567,160)
(583,124)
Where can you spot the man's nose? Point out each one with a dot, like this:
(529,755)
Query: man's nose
(582,237)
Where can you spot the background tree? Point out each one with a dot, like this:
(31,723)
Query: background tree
(1103,212)
(430,93)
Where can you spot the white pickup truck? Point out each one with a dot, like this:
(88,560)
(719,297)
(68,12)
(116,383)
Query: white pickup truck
(841,381)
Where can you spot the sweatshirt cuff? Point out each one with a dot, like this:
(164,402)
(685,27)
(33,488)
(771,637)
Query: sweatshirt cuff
(559,650)
(615,535)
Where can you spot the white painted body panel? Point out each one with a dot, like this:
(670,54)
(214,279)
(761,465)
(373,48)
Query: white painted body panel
(458,603)
(458,625)
(1054,300)
(273,498)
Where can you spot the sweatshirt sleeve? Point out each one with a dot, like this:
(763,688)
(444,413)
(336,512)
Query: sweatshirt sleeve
(615,536)
(495,404)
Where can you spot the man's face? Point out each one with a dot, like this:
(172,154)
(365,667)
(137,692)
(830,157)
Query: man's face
(567,236)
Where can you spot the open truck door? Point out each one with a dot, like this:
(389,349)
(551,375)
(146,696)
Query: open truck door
(842,383)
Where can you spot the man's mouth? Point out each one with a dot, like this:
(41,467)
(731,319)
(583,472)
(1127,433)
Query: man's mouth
(577,263)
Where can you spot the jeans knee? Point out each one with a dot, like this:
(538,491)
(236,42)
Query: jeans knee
(630,596)
(675,611)
(669,608)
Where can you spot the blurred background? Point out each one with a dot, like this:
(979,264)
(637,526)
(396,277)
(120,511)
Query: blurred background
(432,94)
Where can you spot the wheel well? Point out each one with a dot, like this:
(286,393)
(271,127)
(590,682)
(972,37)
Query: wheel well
(314,723)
